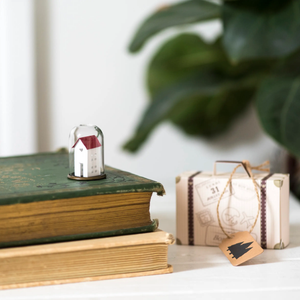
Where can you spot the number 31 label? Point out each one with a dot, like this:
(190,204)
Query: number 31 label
(210,191)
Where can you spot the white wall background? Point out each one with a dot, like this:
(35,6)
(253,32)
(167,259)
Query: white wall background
(17,77)
(84,74)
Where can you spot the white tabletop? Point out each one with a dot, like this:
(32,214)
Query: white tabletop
(198,271)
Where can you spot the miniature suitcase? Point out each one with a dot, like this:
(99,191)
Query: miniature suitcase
(197,195)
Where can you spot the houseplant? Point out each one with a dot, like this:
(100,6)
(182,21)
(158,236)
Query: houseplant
(202,87)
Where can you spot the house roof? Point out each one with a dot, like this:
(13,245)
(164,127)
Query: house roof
(89,142)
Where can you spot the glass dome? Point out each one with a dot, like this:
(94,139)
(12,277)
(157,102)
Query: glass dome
(86,153)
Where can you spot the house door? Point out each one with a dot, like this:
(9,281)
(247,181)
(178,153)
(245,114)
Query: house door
(81,169)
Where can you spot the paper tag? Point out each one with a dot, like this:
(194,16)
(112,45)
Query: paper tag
(240,248)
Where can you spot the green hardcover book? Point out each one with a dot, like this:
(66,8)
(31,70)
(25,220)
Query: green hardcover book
(39,204)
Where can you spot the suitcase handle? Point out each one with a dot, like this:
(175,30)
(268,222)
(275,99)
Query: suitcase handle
(230,162)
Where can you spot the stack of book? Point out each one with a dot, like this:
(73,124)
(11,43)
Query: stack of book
(56,230)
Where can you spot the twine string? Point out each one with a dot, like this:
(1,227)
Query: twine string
(264,167)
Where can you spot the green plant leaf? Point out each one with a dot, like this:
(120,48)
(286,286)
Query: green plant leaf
(202,104)
(187,12)
(289,66)
(162,106)
(179,57)
(261,29)
(278,107)
(187,53)
(193,85)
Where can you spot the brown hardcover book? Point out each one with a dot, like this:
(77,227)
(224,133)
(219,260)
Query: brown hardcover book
(86,260)
(39,204)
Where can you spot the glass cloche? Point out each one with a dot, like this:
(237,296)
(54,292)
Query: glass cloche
(86,153)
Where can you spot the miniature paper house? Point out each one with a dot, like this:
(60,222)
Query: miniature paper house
(87,157)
